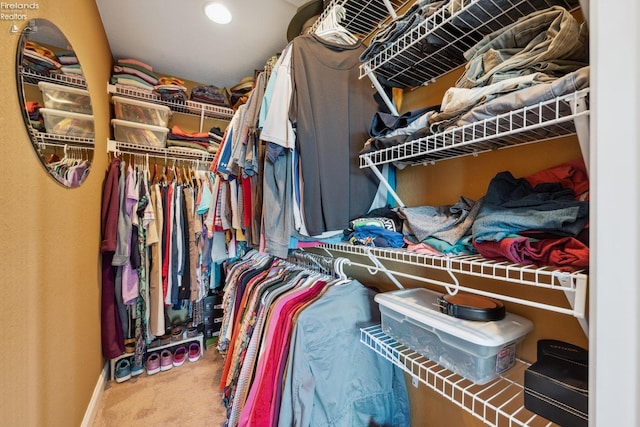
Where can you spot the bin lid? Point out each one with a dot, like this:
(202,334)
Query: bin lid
(421,305)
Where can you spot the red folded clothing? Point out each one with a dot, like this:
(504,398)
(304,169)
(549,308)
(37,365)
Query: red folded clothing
(176,130)
(571,174)
(566,253)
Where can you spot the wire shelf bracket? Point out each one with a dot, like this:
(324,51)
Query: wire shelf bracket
(572,284)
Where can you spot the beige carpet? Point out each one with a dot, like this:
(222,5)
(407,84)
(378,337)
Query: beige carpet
(186,395)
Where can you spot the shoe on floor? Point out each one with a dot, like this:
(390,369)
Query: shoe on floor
(153,363)
(166,360)
(136,370)
(179,355)
(194,352)
(123,370)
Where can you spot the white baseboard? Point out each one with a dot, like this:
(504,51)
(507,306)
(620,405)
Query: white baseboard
(90,414)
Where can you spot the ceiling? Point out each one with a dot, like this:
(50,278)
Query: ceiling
(177,39)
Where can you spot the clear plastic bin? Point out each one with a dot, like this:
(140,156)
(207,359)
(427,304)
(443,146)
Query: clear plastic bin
(137,111)
(140,134)
(68,123)
(65,98)
(475,350)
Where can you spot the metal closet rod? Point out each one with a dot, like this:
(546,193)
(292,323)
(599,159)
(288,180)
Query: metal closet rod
(117,148)
(452,288)
(328,264)
(165,158)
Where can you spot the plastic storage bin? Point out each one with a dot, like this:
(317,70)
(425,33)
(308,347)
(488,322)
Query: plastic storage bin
(65,98)
(68,123)
(478,351)
(137,111)
(140,134)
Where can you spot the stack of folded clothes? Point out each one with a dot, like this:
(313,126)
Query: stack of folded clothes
(540,219)
(35,118)
(215,137)
(132,72)
(40,59)
(69,63)
(210,95)
(171,89)
(179,137)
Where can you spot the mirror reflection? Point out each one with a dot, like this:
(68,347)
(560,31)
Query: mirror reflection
(56,105)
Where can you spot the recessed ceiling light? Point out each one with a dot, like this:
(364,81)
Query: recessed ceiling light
(218,13)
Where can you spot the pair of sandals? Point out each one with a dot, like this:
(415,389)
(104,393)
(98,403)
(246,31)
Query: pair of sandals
(178,332)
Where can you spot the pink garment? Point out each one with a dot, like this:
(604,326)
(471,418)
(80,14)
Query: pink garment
(135,62)
(308,244)
(123,69)
(422,248)
(258,409)
(565,253)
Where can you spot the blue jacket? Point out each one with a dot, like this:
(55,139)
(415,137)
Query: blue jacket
(333,379)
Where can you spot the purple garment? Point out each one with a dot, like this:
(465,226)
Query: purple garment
(112,337)
(77,174)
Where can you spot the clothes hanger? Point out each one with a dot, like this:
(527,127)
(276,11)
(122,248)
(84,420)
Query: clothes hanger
(156,176)
(170,173)
(185,175)
(330,28)
(338,267)
(177,174)
(192,174)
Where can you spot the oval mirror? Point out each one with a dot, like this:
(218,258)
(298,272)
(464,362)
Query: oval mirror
(55,102)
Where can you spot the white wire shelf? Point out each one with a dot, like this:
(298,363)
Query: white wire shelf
(498,403)
(169,153)
(41,138)
(543,121)
(572,284)
(436,46)
(193,108)
(363,18)
(72,80)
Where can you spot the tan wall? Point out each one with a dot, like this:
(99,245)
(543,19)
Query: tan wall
(49,270)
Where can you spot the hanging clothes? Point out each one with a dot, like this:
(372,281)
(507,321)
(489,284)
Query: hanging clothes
(282,320)
(110,326)
(158,253)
